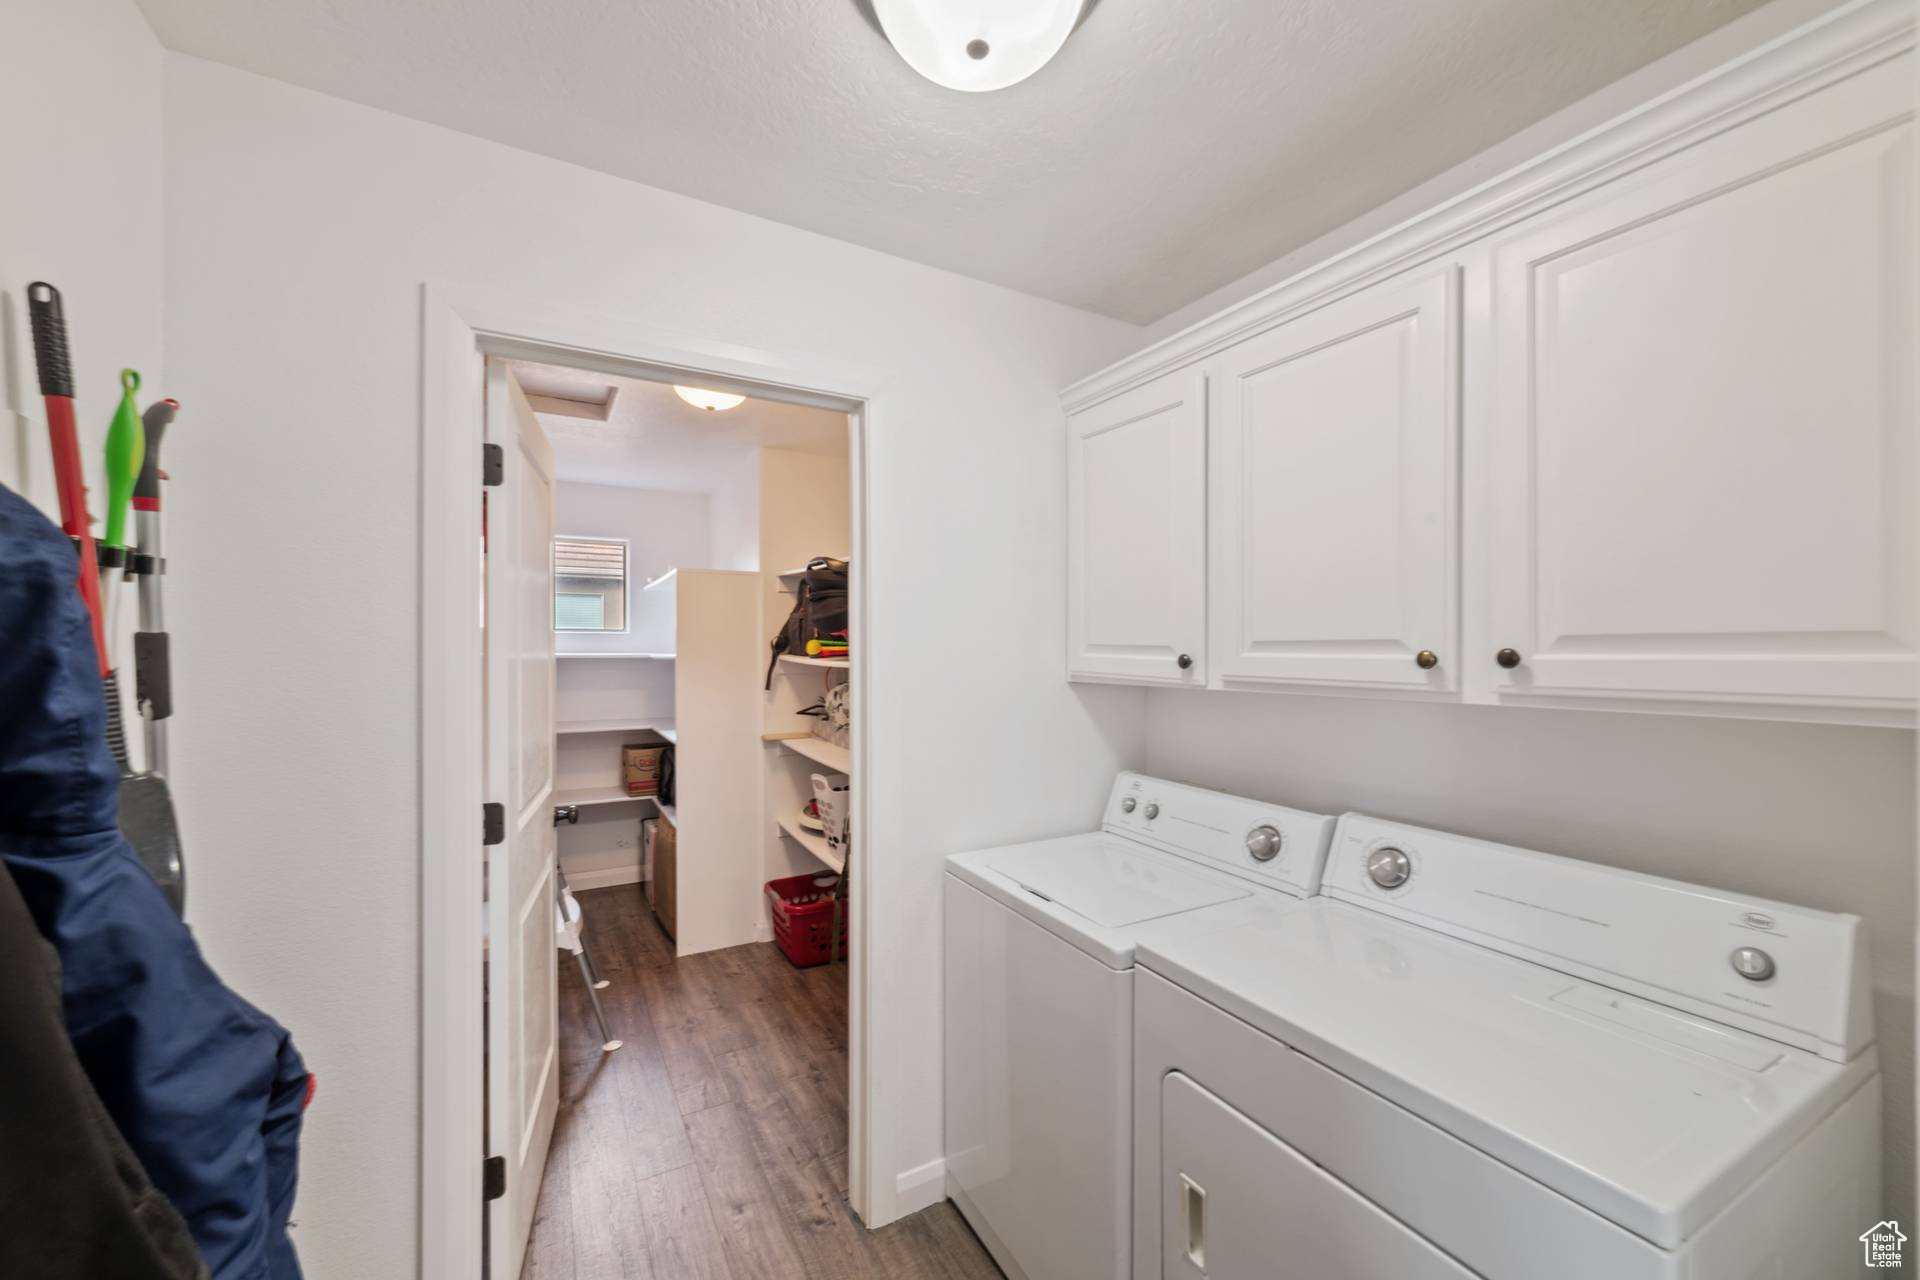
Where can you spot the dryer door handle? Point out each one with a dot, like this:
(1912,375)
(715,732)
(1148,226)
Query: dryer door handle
(1193,1199)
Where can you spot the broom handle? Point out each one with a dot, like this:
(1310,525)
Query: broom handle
(55,367)
(153,677)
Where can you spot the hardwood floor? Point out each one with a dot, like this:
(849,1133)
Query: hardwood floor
(713,1145)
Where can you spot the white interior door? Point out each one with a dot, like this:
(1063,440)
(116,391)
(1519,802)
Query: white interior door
(1136,534)
(523,1085)
(1335,462)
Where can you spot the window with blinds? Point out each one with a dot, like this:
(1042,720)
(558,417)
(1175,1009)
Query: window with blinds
(589,584)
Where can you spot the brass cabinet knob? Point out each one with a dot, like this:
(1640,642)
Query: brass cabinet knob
(1508,658)
(1426,659)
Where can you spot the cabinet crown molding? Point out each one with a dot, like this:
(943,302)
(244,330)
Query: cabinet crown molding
(1839,44)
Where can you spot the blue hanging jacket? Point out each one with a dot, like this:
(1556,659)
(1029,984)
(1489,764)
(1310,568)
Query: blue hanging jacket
(207,1090)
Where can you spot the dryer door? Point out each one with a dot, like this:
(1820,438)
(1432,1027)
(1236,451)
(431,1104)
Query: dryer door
(1239,1204)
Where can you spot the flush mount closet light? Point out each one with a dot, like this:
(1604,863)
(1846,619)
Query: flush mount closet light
(977,45)
(708,400)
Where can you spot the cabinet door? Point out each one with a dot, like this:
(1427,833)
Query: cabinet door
(1701,446)
(1238,1202)
(1136,534)
(1335,469)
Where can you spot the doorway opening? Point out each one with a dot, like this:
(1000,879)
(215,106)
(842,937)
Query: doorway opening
(669,924)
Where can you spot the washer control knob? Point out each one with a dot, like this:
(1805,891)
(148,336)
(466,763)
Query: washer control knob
(1153,809)
(1389,867)
(1752,963)
(1127,805)
(1263,843)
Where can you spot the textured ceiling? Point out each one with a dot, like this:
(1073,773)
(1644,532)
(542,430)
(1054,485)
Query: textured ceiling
(1173,145)
(652,439)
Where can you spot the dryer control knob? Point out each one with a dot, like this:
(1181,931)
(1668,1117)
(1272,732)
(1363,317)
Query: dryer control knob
(1153,809)
(1127,804)
(1389,867)
(1263,843)
(1752,963)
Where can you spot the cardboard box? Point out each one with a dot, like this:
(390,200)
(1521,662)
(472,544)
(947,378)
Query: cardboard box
(640,765)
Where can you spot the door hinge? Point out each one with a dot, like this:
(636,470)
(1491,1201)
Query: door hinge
(493,1178)
(493,823)
(493,464)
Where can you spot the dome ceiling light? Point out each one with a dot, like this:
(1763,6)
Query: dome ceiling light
(977,45)
(711,401)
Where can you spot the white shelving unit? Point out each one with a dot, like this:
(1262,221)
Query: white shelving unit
(713,688)
(790,580)
(797,757)
(813,842)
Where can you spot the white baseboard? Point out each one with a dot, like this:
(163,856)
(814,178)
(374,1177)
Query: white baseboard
(916,1189)
(602,877)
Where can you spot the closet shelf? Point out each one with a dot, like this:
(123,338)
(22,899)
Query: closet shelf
(814,843)
(588,796)
(838,664)
(643,657)
(820,751)
(662,727)
(790,579)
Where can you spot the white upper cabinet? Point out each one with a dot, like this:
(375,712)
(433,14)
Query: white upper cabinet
(1136,534)
(1700,446)
(1631,426)
(1335,471)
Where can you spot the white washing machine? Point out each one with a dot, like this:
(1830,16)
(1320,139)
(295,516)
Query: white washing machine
(1465,1060)
(1039,1004)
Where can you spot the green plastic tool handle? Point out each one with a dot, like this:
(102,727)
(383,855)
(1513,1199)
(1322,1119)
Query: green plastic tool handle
(126,449)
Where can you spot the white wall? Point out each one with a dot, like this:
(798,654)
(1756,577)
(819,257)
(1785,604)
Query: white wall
(80,207)
(736,515)
(1716,48)
(299,231)
(663,531)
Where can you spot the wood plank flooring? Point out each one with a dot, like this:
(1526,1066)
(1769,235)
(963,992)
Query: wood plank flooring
(713,1145)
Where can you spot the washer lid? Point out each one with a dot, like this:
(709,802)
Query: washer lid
(1113,883)
(1097,891)
(1653,1118)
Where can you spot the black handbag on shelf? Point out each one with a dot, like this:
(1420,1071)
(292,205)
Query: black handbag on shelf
(819,610)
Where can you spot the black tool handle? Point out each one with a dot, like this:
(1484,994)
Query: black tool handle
(156,420)
(153,673)
(50,356)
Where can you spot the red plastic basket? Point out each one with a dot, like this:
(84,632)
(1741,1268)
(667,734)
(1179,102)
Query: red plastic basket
(802,909)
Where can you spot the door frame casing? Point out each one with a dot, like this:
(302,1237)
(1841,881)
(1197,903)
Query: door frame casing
(461,325)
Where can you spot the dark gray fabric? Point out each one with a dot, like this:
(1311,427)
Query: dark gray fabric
(74,1202)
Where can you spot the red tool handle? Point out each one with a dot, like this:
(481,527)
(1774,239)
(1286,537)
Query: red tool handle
(56,385)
